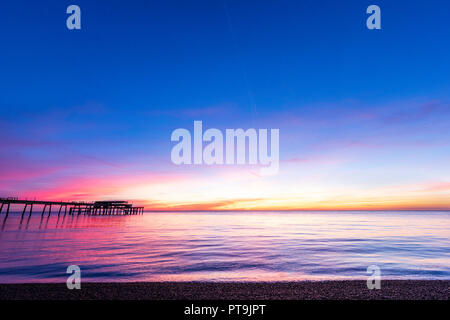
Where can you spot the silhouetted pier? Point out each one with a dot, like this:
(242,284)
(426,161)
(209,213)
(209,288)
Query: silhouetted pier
(73,207)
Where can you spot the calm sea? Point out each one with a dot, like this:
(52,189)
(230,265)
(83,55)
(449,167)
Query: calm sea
(240,246)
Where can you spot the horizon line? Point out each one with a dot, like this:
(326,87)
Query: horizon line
(295,210)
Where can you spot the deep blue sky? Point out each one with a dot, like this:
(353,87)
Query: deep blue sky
(115,90)
(185,54)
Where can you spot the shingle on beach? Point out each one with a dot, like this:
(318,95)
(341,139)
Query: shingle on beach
(302,290)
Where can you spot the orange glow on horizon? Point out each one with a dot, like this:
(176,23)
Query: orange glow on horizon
(233,190)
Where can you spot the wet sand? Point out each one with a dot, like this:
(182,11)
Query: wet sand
(302,290)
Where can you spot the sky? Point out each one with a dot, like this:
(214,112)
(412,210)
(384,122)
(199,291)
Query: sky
(363,114)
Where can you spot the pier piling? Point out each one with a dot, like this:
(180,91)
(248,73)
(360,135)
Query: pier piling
(7,210)
(24,209)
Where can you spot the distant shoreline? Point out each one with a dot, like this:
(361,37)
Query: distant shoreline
(301,290)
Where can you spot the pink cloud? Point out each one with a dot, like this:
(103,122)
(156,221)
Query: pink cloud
(99,186)
(437,187)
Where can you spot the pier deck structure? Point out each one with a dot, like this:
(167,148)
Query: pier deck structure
(73,207)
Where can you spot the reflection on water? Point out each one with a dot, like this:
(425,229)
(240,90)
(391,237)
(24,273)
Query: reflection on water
(264,246)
